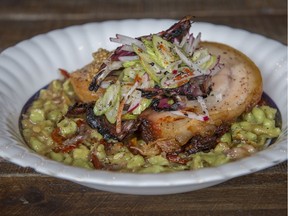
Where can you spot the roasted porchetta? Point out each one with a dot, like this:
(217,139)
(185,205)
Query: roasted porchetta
(169,89)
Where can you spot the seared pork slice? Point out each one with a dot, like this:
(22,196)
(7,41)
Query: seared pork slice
(81,79)
(236,88)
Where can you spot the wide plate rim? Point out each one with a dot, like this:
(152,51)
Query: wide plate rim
(152,180)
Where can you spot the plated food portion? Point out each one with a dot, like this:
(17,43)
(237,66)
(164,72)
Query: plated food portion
(158,103)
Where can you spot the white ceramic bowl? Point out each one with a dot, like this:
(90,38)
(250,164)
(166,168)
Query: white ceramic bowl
(31,64)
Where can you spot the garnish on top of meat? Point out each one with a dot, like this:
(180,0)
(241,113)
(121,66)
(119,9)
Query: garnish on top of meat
(170,87)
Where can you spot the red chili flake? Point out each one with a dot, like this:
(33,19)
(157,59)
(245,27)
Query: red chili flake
(188,71)
(162,47)
(80,122)
(96,162)
(64,73)
(59,139)
(137,78)
(66,149)
(133,108)
(56,137)
(205,118)
(174,158)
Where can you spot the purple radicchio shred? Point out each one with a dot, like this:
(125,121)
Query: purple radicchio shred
(176,31)
(120,52)
(97,79)
(165,104)
(197,86)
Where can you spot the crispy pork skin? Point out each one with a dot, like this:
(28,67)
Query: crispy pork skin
(236,88)
(81,78)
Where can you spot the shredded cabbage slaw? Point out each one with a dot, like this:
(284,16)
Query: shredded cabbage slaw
(154,62)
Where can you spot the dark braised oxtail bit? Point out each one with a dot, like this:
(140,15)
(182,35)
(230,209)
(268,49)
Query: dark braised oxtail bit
(199,143)
(101,124)
(108,130)
(176,31)
(77,109)
(170,99)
